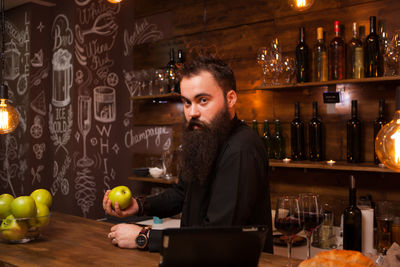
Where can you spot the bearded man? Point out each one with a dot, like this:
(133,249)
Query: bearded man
(223,180)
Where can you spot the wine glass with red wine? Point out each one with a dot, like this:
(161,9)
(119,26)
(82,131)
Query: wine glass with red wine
(288,220)
(311,216)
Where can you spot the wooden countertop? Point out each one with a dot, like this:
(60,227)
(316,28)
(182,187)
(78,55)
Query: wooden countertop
(75,241)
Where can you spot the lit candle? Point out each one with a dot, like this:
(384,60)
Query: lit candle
(330,162)
(381,165)
(286,160)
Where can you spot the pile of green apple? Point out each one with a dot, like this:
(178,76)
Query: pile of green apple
(20,214)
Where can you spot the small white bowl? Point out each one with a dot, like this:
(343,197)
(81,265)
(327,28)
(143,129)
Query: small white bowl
(156,172)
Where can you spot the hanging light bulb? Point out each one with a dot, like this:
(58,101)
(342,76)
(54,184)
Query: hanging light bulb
(114,1)
(387,142)
(300,5)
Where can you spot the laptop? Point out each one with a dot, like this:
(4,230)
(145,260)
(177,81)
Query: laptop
(212,246)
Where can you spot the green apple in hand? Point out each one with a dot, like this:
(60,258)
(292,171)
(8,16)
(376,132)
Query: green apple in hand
(5,205)
(42,216)
(42,196)
(12,229)
(23,207)
(122,195)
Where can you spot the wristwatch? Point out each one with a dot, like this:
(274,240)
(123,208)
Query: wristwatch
(142,241)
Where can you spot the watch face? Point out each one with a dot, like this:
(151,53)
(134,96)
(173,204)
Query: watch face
(141,241)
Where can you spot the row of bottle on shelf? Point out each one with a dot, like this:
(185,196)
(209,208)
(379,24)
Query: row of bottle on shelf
(275,143)
(368,58)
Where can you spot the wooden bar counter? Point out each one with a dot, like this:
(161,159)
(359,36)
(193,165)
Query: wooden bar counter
(75,241)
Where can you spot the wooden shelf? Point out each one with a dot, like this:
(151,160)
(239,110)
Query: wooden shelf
(169,96)
(154,180)
(330,83)
(338,166)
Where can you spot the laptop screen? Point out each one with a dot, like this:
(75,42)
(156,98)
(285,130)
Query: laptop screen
(212,246)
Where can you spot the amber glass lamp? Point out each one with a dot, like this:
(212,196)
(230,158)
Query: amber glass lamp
(9,118)
(387,142)
(300,5)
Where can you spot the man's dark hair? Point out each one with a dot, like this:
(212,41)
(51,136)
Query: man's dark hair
(221,72)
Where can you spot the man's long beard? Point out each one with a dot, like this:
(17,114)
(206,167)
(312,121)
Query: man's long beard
(201,146)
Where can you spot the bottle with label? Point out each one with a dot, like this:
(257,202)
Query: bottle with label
(302,58)
(378,124)
(373,57)
(352,221)
(267,137)
(297,135)
(171,72)
(354,154)
(254,125)
(337,56)
(320,58)
(356,54)
(315,136)
(279,142)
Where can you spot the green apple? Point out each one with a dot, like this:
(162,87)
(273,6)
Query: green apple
(122,195)
(12,229)
(42,216)
(5,205)
(23,207)
(42,196)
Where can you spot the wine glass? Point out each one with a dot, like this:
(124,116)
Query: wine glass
(311,215)
(288,220)
(84,125)
(263,59)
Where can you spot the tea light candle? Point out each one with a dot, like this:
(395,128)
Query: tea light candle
(330,162)
(381,165)
(286,160)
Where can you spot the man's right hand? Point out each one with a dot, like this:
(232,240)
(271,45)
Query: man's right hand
(117,212)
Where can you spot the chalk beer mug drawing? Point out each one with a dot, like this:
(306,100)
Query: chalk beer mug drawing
(62,78)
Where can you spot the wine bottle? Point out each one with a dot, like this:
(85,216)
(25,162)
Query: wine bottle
(315,136)
(297,135)
(356,54)
(279,142)
(179,64)
(378,124)
(373,55)
(352,221)
(354,136)
(267,137)
(337,56)
(320,58)
(171,72)
(255,127)
(302,58)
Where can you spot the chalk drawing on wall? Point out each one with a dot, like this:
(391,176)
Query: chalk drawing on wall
(36,174)
(55,169)
(142,33)
(38,150)
(62,77)
(60,181)
(79,77)
(41,26)
(103,25)
(39,104)
(60,130)
(84,125)
(37,60)
(8,154)
(12,59)
(132,85)
(85,193)
(37,127)
(41,74)
(82,2)
(22,84)
(112,79)
(104,104)
(115,147)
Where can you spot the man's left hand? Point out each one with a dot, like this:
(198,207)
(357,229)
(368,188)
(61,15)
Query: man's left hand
(124,235)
